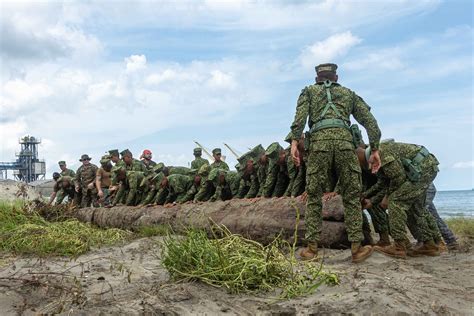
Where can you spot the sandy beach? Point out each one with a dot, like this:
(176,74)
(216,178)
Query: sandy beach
(129,279)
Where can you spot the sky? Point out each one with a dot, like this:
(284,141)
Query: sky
(89,76)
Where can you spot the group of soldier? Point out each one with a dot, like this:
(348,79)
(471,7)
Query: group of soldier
(391,180)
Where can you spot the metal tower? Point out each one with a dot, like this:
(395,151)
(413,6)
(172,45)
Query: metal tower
(27,167)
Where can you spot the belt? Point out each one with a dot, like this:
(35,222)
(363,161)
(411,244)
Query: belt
(329,123)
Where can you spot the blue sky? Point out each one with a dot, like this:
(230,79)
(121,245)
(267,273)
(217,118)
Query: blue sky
(95,75)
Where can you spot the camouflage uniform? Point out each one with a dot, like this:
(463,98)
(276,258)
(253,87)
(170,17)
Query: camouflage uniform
(276,181)
(406,197)
(62,192)
(206,189)
(331,151)
(85,175)
(129,192)
(198,161)
(67,172)
(447,234)
(220,165)
(377,214)
(227,190)
(180,189)
(248,184)
(149,164)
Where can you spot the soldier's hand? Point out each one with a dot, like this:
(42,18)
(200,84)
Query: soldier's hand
(295,154)
(100,194)
(366,203)
(77,189)
(328,196)
(304,196)
(374,161)
(90,186)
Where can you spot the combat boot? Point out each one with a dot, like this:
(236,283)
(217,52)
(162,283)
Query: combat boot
(384,240)
(429,248)
(442,246)
(310,252)
(397,249)
(360,253)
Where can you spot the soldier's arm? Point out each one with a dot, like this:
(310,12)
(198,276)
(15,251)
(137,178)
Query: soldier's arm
(301,116)
(270,180)
(98,180)
(292,172)
(254,186)
(361,112)
(217,195)
(395,172)
(77,178)
(379,186)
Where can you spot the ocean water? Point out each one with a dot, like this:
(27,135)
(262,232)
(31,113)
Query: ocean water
(455,203)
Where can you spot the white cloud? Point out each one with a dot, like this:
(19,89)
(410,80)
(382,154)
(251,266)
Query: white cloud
(17,94)
(135,63)
(329,50)
(220,79)
(464,165)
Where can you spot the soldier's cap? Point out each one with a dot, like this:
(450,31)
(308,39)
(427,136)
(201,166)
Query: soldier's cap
(326,68)
(197,151)
(204,170)
(215,173)
(158,167)
(273,150)
(56,175)
(114,152)
(105,159)
(61,163)
(126,152)
(85,157)
(216,151)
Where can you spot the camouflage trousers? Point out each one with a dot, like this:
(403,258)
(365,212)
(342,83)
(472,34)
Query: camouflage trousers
(447,234)
(322,169)
(62,194)
(406,207)
(379,219)
(88,197)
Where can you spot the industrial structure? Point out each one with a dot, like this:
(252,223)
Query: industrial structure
(27,167)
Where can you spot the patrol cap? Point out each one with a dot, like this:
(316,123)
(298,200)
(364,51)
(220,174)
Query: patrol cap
(158,167)
(61,163)
(216,151)
(214,174)
(56,175)
(197,151)
(126,152)
(204,170)
(114,152)
(273,150)
(85,157)
(326,68)
(105,159)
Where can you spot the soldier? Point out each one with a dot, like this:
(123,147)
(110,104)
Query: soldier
(331,156)
(206,188)
(248,169)
(447,234)
(198,160)
(151,184)
(115,156)
(276,180)
(56,188)
(130,180)
(85,180)
(65,171)
(103,180)
(146,159)
(262,169)
(296,175)
(225,182)
(132,164)
(406,172)
(218,163)
(177,188)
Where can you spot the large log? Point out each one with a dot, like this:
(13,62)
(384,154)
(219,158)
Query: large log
(260,219)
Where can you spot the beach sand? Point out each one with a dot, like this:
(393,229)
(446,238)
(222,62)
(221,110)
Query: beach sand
(129,279)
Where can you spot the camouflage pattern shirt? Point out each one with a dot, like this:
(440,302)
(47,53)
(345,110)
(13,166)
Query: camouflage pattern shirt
(85,174)
(198,163)
(220,165)
(311,104)
(68,172)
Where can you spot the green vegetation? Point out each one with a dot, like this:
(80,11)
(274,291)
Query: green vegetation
(240,264)
(24,231)
(462,226)
(150,231)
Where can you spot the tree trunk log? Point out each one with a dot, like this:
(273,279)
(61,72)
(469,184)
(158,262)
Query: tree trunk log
(260,219)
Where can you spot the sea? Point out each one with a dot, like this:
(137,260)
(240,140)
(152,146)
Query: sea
(455,203)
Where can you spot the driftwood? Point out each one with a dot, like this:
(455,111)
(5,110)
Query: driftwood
(260,219)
